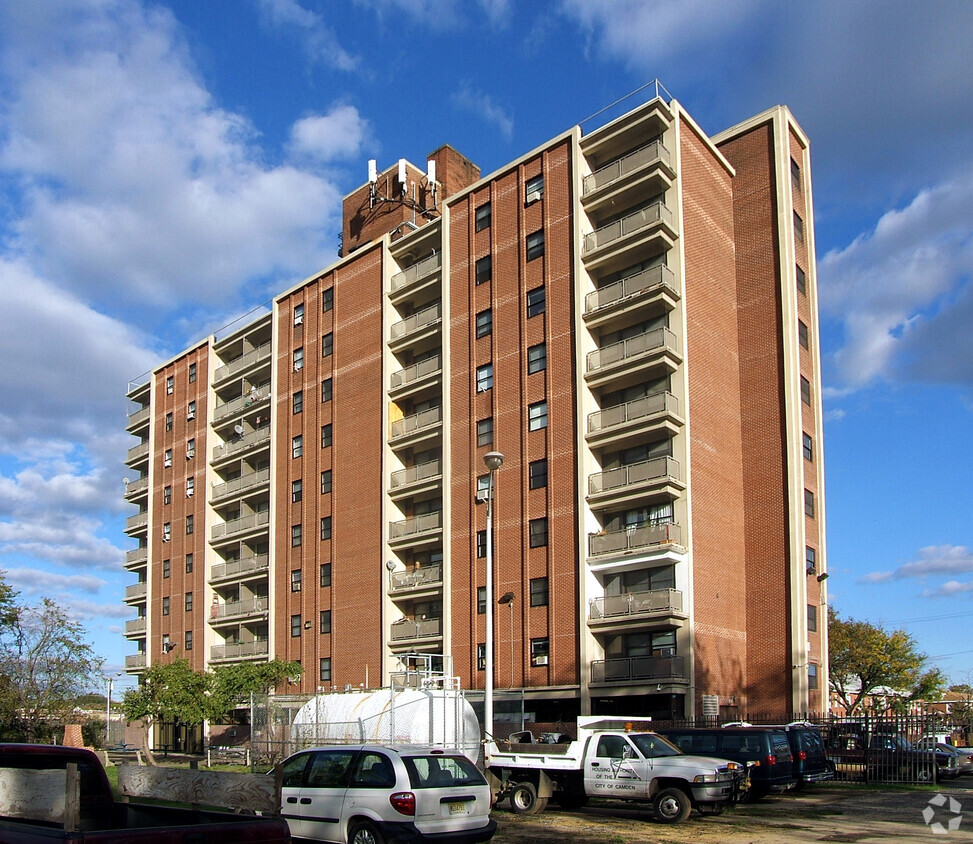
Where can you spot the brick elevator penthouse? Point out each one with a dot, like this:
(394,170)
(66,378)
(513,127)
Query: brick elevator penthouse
(630,316)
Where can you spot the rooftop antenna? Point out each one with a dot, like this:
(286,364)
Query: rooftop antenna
(431,179)
(372,181)
(402,176)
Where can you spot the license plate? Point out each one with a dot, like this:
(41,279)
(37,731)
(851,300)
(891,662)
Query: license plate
(457,808)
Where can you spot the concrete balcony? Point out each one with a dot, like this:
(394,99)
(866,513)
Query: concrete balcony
(420,427)
(412,279)
(643,234)
(618,612)
(651,416)
(417,531)
(137,489)
(239,486)
(634,540)
(647,171)
(657,478)
(242,364)
(138,419)
(413,580)
(139,523)
(415,480)
(135,627)
(413,380)
(240,651)
(645,294)
(137,454)
(248,442)
(136,592)
(240,569)
(406,632)
(633,359)
(228,410)
(636,669)
(419,327)
(239,527)
(236,611)
(134,662)
(136,558)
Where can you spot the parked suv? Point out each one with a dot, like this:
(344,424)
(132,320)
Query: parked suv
(811,762)
(766,752)
(369,794)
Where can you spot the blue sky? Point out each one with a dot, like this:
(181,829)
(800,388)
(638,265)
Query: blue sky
(167,166)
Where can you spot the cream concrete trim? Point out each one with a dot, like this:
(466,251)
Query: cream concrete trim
(447,456)
(680,114)
(209,555)
(347,259)
(272,567)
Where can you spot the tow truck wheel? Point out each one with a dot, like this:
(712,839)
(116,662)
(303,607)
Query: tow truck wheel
(672,805)
(524,799)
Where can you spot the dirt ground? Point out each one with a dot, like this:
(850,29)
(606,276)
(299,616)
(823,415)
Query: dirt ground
(825,812)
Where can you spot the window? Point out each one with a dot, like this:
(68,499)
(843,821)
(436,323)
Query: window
(325,574)
(325,390)
(189,563)
(299,359)
(484,377)
(810,560)
(167,531)
(165,606)
(484,269)
(295,626)
(536,358)
(296,580)
(190,487)
(189,602)
(480,600)
(190,524)
(192,373)
(802,335)
(325,621)
(805,390)
(812,618)
(297,446)
(327,345)
(538,592)
(481,657)
(796,174)
(327,299)
(191,411)
(812,676)
(189,640)
(537,416)
(809,503)
(537,474)
(538,532)
(190,448)
(299,315)
(167,458)
(798,227)
(808,447)
(297,490)
(484,432)
(482,487)
(326,481)
(480,544)
(297,535)
(167,495)
(326,436)
(484,323)
(535,302)
(170,385)
(535,245)
(484,217)
(801,281)
(325,671)
(540,650)
(298,402)
(534,189)
(326,527)
(169,421)
(166,568)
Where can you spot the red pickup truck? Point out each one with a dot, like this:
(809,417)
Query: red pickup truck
(53,793)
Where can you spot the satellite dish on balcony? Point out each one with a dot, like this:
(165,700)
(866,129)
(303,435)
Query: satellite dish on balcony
(390,565)
(238,429)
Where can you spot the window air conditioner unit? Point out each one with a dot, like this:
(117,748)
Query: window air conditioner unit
(298,367)
(541,660)
(167,462)
(190,415)
(189,493)
(299,319)
(667,652)
(482,494)
(533,196)
(190,453)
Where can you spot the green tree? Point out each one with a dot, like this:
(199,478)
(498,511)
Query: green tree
(864,658)
(234,683)
(45,665)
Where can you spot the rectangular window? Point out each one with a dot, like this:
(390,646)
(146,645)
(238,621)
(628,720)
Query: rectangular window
(326,436)
(484,432)
(801,281)
(535,245)
(481,657)
(808,447)
(190,487)
(190,524)
(326,390)
(812,676)
(189,602)
(484,323)
(540,650)
(534,189)
(299,315)
(538,592)
(484,269)
(297,490)
(809,503)
(327,345)
(295,626)
(325,575)
(536,302)
(191,411)
(537,416)
(192,373)
(326,481)
(798,227)
(299,359)
(537,358)
(297,535)
(480,544)
(297,446)
(325,621)
(325,670)
(167,495)
(805,390)
(169,421)
(190,448)
(165,606)
(810,560)
(538,532)
(296,580)
(480,600)
(484,377)
(802,335)
(166,568)
(326,527)
(298,402)
(189,640)
(189,563)
(483,217)
(796,174)
(167,531)
(812,618)
(482,487)
(167,458)
(327,299)
(537,474)
(170,385)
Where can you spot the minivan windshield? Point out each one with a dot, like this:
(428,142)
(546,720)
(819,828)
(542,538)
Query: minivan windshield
(652,746)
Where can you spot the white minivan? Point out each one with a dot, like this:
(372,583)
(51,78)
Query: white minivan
(372,794)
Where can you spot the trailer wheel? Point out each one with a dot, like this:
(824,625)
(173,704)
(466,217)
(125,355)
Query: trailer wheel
(672,805)
(524,799)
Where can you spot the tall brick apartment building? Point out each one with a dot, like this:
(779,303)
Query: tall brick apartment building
(630,316)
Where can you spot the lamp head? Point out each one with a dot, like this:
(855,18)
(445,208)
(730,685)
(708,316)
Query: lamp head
(493,460)
(823,576)
(508,598)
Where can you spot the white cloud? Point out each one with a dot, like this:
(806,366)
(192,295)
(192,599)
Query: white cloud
(325,137)
(949,589)
(38,583)
(933,560)
(476,102)
(318,39)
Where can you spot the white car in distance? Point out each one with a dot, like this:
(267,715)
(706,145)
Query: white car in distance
(373,794)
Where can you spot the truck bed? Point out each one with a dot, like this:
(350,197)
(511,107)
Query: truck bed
(560,757)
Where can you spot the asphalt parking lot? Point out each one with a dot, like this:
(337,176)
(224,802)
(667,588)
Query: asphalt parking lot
(827,812)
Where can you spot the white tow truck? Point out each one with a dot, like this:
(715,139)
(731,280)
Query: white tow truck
(611,759)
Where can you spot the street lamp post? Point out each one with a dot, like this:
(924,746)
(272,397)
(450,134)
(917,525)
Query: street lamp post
(493,460)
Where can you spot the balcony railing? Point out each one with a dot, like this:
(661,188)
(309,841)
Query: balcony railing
(417,525)
(427,316)
(137,487)
(612,172)
(632,348)
(418,422)
(634,474)
(632,539)
(641,219)
(239,609)
(425,267)
(244,523)
(639,668)
(636,604)
(416,372)
(239,568)
(415,578)
(241,484)
(406,628)
(240,650)
(632,411)
(133,661)
(136,556)
(135,626)
(416,474)
(235,406)
(241,363)
(137,452)
(139,417)
(647,281)
(135,591)
(139,520)
(245,442)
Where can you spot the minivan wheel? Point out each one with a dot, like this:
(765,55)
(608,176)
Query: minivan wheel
(672,805)
(362,832)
